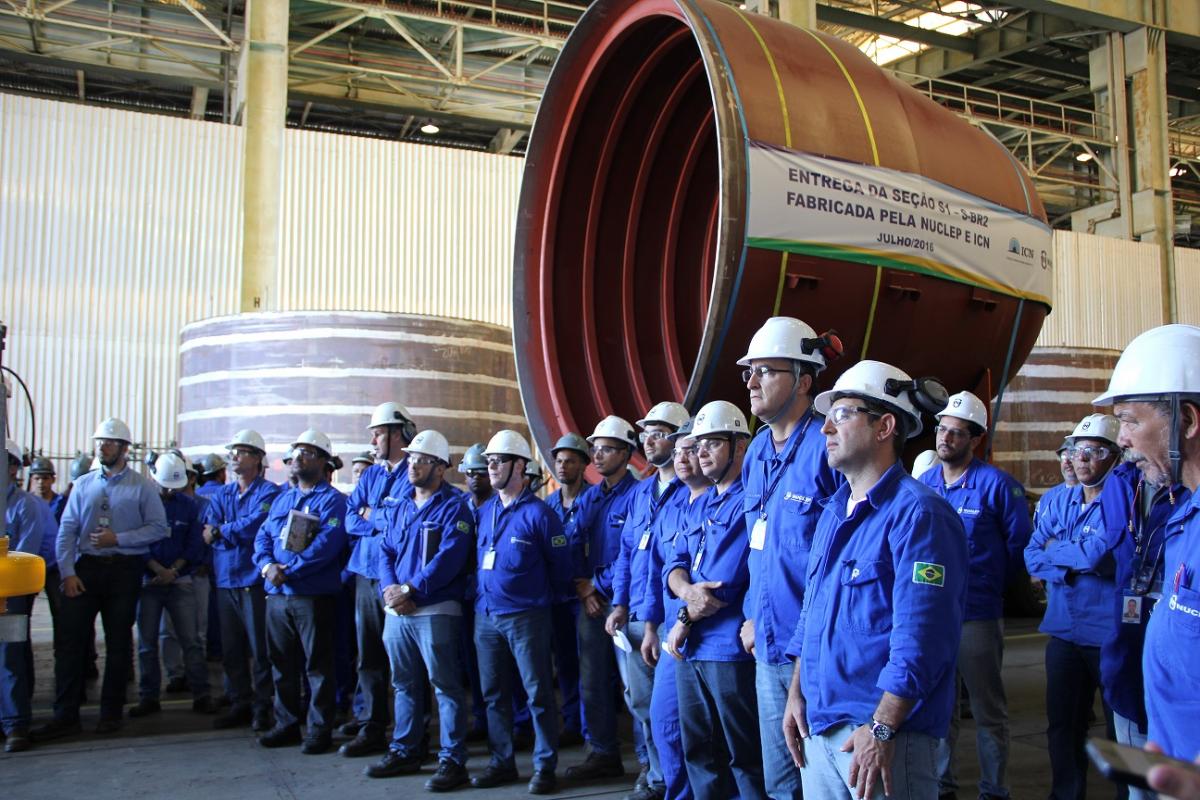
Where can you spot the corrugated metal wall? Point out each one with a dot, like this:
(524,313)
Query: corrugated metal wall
(118,228)
(1187,284)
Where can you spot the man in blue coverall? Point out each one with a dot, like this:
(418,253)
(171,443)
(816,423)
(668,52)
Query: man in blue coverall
(1155,390)
(785,476)
(878,636)
(232,520)
(709,572)
(167,585)
(524,560)
(298,552)
(595,542)
(376,492)
(424,559)
(1070,551)
(24,526)
(637,579)
(113,516)
(992,507)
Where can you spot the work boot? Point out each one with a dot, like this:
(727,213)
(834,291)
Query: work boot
(145,708)
(543,782)
(234,718)
(393,764)
(597,766)
(449,776)
(495,775)
(281,737)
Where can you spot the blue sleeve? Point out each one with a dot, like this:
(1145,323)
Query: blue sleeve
(264,540)
(556,549)
(29,538)
(244,529)
(385,564)
(620,569)
(458,540)
(577,535)
(679,559)
(329,542)
(67,544)
(1083,555)
(360,499)
(154,519)
(1036,562)
(1018,525)
(193,541)
(927,618)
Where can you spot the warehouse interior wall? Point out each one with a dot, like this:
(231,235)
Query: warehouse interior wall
(118,228)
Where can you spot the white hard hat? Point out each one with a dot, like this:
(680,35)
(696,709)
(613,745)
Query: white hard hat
(924,462)
(876,381)
(390,414)
(666,412)
(785,337)
(1097,426)
(315,438)
(613,427)
(508,443)
(14,451)
(188,465)
(430,443)
(170,472)
(719,416)
(1161,361)
(113,428)
(533,469)
(247,438)
(966,406)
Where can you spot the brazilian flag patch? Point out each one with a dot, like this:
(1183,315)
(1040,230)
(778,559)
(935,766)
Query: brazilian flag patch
(464,526)
(931,574)
(266,506)
(333,523)
(559,541)
(1017,491)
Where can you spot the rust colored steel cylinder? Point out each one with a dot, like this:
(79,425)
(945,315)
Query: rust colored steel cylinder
(644,260)
(281,373)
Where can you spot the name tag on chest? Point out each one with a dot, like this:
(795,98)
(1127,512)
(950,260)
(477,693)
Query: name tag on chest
(758,534)
(645,541)
(489,560)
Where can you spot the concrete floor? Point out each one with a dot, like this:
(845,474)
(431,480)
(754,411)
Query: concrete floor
(178,754)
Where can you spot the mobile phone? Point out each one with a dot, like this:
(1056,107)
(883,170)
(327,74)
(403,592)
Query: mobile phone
(1128,765)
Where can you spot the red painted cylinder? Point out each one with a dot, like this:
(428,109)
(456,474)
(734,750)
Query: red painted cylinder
(639,275)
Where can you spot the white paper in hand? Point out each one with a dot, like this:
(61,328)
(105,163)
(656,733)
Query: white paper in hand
(622,641)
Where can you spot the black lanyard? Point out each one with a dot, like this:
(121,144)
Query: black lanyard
(770,486)
(1141,580)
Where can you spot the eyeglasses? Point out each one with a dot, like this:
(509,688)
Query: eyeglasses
(711,443)
(651,436)
(604,450)
(496,461)
(762,371)
(476,473)
(952,433)
(422,461)
(840,415)
(690,450)
(1091,452)
(305,453)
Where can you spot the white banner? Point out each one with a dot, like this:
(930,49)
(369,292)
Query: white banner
(801,203)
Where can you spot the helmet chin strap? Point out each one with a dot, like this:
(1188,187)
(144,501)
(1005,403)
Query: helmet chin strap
(1174,448)
(728,464)
(792,399)
(1103,477)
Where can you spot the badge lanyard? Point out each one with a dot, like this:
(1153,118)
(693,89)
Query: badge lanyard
(1142,579)
(772,485)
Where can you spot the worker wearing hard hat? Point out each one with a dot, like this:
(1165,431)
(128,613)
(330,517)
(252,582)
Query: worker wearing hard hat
(25,517)
(569,458)
(885,600)
(1071,552)
(212,469)
(524,561)
(1155,393)
(41,479)
(785,476)
(595,541)
(113,516)
(392,429)
(637,590)
(991,504)
(298,551)
(168,586)
(359,464)
(231,524)
(424,561)
(709,571)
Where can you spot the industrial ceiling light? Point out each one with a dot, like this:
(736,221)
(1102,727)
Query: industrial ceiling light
(1175,172)
(1084,156)
(430,128)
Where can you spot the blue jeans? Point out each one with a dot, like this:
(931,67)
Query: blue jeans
(597,662)
(519,641)
(1072,680)
(716,700)
(827,769)
(980,654)
(639,687)
(174,660)
(243,615)
(566,662)
(179,601)
(300,643)
(780,774)
(665,729)
(16,673)
(372,655)
(417,647)
(1128,733)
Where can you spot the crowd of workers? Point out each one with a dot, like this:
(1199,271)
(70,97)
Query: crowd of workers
(785,611)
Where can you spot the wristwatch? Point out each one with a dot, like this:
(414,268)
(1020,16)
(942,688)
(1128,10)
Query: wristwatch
(683,616)
(882,731)
(405,590)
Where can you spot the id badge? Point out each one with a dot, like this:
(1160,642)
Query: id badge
(758,534)
(1131,610)
(489,560)
(696,561)
(645,542)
